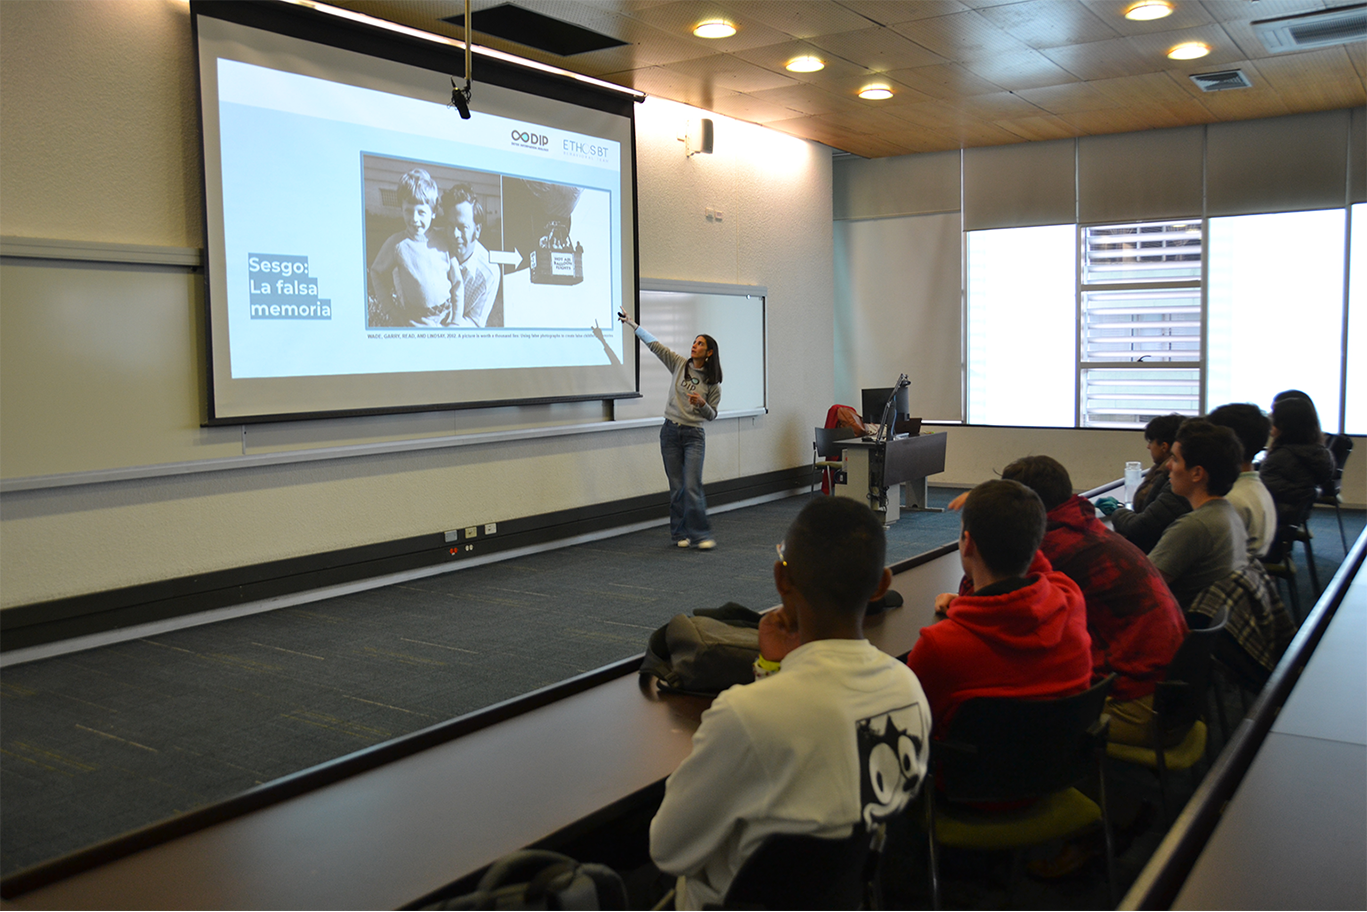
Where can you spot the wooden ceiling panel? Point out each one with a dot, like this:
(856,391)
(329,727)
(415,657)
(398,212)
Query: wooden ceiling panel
(1101,59)
(1042,127)
(1186,14)
(1021,70)
(731,74)
(998,106)
(807,99)
(961,36)
(1148,88)
(1315,80)
(1154,47)
(878,49)
(682,16)
(891,12)
(775,57)
(946,82)
(1068,99)
(1050,23)
(850,87)
(666,83)
(1224,11)
(1140,117)
(801,18)
(751,108)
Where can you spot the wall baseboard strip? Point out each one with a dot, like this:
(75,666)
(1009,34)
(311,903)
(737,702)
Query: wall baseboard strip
(117,614)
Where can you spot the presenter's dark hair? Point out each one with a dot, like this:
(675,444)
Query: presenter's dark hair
(1163,428)
(462,193)
(1248,423)
(1296,421)
(1044,475)
(1214,449)
(711,368)
(1006,521)
(835,551)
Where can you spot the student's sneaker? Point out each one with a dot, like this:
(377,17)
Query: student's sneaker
(707,544)
(682,543)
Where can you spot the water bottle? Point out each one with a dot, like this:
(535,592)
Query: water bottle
(1133,473)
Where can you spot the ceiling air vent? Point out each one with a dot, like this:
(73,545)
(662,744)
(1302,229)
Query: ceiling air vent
(1218,82)
(1343,25)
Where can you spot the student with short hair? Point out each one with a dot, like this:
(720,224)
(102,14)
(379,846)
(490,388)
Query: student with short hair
(1249,496)
(1155,505)
(836,738)
(1134,621)
(1210,542)
(1019,627)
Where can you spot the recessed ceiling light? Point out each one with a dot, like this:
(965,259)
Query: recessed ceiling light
(875,92)
(1145,10)
(1189,50)
(715,28)
(806,64)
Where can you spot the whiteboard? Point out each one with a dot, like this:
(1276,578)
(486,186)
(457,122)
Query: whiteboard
(676,313)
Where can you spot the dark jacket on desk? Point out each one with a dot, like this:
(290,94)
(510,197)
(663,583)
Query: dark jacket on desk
(1293,474)
(1145,528)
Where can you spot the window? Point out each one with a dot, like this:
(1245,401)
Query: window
(1275,309)
(1022,326)
(1110,325)
(1141,322)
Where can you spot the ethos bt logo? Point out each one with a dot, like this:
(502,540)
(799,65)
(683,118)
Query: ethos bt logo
(533,140)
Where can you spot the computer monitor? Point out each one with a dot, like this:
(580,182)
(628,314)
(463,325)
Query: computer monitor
(871,405)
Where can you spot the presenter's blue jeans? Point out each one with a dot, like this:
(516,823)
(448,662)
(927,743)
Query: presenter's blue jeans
(683,449)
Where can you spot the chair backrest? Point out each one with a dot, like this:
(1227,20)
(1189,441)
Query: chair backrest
(1009,749)
(828,441)
(1340,446)
(1180,696)
(791,871)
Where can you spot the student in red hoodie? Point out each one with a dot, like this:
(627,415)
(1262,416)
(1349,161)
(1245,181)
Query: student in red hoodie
(1021,631)
(1132,616)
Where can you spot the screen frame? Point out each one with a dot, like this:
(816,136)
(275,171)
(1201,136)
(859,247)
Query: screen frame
(441,56)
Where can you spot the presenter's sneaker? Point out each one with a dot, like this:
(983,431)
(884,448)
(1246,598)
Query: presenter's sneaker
(682,543)
(707,544)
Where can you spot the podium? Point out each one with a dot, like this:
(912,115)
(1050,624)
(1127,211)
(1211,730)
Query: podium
(876,471)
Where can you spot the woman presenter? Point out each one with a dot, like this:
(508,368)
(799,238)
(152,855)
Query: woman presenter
(692,399)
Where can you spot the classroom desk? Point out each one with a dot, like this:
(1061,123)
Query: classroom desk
(390,835)
(1294,835)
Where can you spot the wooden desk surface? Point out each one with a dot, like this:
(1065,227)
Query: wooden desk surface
(385,837)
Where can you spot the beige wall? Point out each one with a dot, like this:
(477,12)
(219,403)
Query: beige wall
(99,139)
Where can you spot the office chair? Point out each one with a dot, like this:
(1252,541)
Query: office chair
(1340,447)
(1179,735)
(799,871)
(1006,750)
(827,454)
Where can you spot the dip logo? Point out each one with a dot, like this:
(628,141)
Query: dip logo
(531,140)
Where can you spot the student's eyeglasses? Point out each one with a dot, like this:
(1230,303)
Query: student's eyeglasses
(781,559)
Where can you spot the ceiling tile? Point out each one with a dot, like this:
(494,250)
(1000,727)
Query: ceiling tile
(681,16)
(808,99)
(1020,70)
(1049,23)
(944,81)
(665,83)
(1155,47)
(1101,59)
(891,12)
(801,18)
(775,57)
(961,36)
(878,49)
(1066,99)
(1315,80)
(1140,117)
(1146,88)
(731,74)
(752,109)
(1043,127)
(1000,105)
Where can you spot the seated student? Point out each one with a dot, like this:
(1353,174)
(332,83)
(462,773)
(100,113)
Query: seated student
(1297,464)
(837,737)
(1022,630)
(1209,543)
(1155,505)
(1135,623)
(1249,496)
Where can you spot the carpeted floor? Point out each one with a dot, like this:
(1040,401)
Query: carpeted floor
(100,742)
(96,743)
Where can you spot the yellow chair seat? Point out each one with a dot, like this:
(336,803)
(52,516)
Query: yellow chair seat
(1053,817)
(1183,756)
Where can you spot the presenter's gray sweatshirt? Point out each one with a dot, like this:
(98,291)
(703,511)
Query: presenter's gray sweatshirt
(686,379)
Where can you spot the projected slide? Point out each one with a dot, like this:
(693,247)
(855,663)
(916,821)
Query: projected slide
(372,233)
